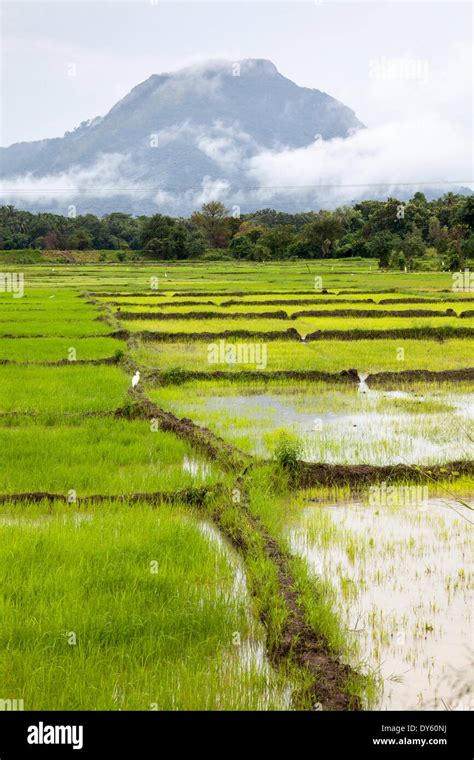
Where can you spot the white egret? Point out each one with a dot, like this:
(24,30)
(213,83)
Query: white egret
(135,379)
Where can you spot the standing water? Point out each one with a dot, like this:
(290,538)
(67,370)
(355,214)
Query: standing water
(401,580)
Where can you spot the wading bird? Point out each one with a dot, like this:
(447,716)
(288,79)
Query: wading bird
(135,379)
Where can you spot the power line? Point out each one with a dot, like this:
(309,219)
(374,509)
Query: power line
(152,188)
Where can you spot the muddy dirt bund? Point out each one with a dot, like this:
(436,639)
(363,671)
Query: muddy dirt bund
(356,476)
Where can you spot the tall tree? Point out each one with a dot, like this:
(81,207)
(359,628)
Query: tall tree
(213,221)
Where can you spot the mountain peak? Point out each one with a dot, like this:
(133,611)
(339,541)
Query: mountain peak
(258,65)
(221,66)
(187,129)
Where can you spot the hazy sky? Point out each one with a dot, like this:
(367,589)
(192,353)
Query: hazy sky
(350,50)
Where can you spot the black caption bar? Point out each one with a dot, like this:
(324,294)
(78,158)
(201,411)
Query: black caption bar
(151,734)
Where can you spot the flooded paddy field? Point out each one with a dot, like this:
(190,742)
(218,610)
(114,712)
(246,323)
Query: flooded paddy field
(402,579)
(155,540)
(340,424)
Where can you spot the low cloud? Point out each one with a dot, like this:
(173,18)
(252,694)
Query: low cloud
(109,176)
(227,146)
(421,153)
(212,190)
(398,158)
(203,79)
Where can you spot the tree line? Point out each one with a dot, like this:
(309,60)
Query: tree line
(399,234)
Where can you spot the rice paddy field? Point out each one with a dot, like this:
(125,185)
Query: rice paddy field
(276,514)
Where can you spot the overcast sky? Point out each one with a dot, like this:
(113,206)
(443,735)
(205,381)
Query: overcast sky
(345,49)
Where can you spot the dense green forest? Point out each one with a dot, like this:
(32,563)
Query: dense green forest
(398,234)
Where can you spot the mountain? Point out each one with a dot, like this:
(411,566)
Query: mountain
(175,141)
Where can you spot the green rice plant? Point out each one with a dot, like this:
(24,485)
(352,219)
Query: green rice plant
(58,349)
(446,326)
(288,452)
(99,455)
(60,390)
(238,308)
(168,641)
(368,356)
(113,608)
(72,328)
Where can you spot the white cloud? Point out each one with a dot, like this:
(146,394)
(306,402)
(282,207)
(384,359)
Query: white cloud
(212,190)
(418,154)
(421,137)
(106,177)
(191,80)
(226,145)
(411,85)
(425,151)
